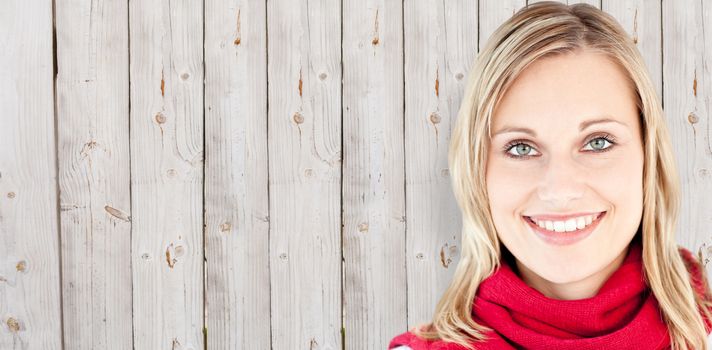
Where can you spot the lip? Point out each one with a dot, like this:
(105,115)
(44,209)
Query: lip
(564,238)
(554,217)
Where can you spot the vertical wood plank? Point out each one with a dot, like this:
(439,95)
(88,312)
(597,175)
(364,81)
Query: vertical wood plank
(596,3)
(94,179)
(236,206)
(166,61)
(373,175)
(686,61)
(687,57)
(494,13)
(304,50)
(30,294)
(641,19)
(440,46)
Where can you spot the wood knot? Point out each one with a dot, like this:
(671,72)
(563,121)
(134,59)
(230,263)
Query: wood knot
(160,118)
(13,325)
(435,118)
(117,213)
(363,227)
(446,254)
(692,118)
(172,253)
(298,118)
(21,266)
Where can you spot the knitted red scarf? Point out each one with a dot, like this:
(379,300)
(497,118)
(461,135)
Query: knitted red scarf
(622,315)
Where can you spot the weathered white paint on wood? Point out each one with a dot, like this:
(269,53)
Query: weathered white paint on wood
(304,55)
(641,19)
(94,180)
(373,174)
(236,206)
(167,173)
(596,3)
(30,299)
(687,57)
(440,45)
(279,271)
(494,13)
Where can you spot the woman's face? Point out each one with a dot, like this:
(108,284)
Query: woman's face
(566,145)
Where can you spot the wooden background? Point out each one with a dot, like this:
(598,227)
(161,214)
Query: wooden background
(262,174)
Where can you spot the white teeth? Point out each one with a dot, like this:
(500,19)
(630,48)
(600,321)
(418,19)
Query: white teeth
(568,225)
(559,226)
(580,223)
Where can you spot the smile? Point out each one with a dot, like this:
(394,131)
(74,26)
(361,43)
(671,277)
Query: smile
(564,232)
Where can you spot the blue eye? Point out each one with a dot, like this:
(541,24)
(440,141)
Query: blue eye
(520,149)
(598,144)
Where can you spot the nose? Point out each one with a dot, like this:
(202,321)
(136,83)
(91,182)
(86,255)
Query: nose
(563,182)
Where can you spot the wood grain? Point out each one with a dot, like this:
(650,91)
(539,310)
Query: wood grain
(30,293)
(94,176)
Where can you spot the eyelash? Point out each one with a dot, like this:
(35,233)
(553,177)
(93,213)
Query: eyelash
(606,137)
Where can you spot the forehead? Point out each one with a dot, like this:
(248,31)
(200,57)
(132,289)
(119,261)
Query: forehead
(566,89)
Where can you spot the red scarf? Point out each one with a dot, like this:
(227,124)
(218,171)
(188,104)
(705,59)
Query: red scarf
(624,314)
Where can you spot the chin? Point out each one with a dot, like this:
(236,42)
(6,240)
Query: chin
(564,277)
(572,271)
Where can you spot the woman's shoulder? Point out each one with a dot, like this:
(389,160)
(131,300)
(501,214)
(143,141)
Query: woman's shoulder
(407,341)
(697,272)
(698,279)
(410,341)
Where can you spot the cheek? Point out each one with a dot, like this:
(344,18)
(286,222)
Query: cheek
(507,188)
(618,179)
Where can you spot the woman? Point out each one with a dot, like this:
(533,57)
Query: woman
(563,169)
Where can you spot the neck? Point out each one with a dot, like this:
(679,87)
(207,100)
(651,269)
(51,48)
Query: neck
(574,290)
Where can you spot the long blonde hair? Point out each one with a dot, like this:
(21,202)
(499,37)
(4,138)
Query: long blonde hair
(535,31)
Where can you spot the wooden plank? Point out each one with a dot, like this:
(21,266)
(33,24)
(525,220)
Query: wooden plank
(687,57)
(440,45)
(30,294)
(641,19)
(495,12)
(596,3)
(373,175)
(304,91)
(236,207)
(166,58)
(94,179)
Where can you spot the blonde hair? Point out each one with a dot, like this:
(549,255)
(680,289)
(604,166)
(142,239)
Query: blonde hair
(535,31)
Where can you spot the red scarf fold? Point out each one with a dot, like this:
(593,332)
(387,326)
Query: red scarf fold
(624,314)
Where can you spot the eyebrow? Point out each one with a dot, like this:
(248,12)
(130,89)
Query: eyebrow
(585,124)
